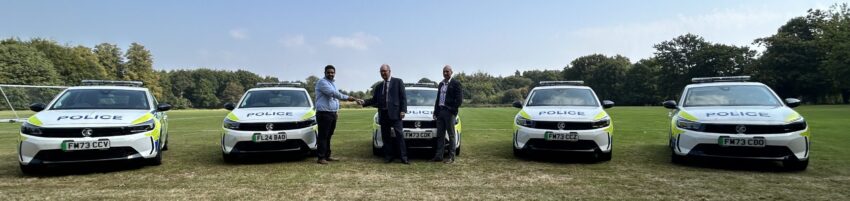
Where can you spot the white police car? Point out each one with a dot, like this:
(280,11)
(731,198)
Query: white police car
(729,117)
(99,121)
(420,128)
(563,116)
(274,117)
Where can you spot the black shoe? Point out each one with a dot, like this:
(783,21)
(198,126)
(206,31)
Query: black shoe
(322,161)
(435,159)
(331,159)
(405,161)
(449,161)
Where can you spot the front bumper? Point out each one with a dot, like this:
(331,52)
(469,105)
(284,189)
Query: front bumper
(592,140)
(783,146)
(235,141)
(417,143)
(35,150)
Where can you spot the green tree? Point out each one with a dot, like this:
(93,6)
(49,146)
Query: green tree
(109,56)
(641,84)
(233,92)
(139,67)
(20,64)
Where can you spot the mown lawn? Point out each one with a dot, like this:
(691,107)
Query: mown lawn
(486,170)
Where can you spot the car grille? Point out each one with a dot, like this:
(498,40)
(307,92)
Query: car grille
(276,126)
(422,124)
(56,155)
(270,146)
(753,129)
(561,145)
(717,150)
(553,125)
(78,132)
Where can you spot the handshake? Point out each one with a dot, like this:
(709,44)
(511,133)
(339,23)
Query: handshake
(356,100)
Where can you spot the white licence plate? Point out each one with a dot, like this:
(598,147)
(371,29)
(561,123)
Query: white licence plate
(85,145)
(726,141)
(274,137)
(571,136)
(417,135)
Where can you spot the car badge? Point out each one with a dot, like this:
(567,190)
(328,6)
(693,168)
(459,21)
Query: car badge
(417,124)
(87,132)
(741,129)
(269,126)
(561,125)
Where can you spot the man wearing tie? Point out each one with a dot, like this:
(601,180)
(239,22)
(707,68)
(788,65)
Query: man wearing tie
(390,99)
(449,99)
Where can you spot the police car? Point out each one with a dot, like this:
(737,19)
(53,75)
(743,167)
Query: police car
(420,128)
(99,121)
(273,117)
(563,116)
(729,117)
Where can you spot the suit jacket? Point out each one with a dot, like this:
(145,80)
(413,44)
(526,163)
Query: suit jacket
(454,97)
(397,98)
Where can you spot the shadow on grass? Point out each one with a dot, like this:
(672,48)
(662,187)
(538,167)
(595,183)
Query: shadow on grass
(735,164)
(265,158)
(85,168)
(561,157)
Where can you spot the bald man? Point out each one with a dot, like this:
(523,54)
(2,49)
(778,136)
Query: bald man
(390,99)
(446,108)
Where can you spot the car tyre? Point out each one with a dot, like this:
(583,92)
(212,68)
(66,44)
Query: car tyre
(795,165)
(30,169)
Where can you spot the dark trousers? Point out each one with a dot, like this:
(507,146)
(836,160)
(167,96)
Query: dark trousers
(445,123)
(327,125)
(393,137)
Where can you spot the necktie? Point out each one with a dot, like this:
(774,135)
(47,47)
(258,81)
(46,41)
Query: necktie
(387,93)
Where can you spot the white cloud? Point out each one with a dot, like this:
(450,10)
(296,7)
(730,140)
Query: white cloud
(635,40)
(358,41)
(292,41)
(238,34)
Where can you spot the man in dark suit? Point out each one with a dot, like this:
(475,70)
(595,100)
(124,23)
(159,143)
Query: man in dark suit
(449,99)
(390,99)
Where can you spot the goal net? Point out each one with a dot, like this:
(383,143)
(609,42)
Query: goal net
(16,99)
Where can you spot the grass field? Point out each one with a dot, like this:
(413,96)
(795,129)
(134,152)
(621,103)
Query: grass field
(486,170)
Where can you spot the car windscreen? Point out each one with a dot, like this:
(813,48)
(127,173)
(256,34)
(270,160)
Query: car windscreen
(102,99)
(275,98)
(562,97)
(741,95)
(419,97)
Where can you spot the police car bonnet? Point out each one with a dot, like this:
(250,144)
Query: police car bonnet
(89,117)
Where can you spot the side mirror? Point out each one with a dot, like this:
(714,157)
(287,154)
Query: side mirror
(607,104)
(518,104)
(792,102)
(162,107)
(37,107)
(670,104)
(229,106)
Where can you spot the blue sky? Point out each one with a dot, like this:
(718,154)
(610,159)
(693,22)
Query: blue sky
(294,39)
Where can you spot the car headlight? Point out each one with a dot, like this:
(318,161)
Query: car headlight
(688,124)
(230,124)
(140,128)
(602,123)
(522,121)
(796,125)
(311,121)
(30,129)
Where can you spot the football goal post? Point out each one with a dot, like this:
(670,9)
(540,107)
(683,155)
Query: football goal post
(17,98)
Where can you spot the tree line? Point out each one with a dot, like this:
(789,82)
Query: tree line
(807,58)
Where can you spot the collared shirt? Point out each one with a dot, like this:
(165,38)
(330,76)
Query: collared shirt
(327,96)
(443,91)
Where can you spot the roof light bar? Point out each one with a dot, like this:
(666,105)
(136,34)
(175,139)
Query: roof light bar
(562,83)
(112,83)
(427,84)
(721,79)
(280,84)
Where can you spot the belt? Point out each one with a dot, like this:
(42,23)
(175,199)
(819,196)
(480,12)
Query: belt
(326,112)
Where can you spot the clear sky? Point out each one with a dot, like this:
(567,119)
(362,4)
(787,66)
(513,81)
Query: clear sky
(294,39)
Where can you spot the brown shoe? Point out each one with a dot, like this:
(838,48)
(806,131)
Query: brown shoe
(449,161)
(332,159)
(322,161)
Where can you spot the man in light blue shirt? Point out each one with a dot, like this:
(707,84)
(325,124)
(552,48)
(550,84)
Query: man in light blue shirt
(327,105)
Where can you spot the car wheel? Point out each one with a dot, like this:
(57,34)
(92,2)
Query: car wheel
(675,158)
(229,158)
(30,169)
(604,156)
(157,160)
(165,146)
(795,165)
